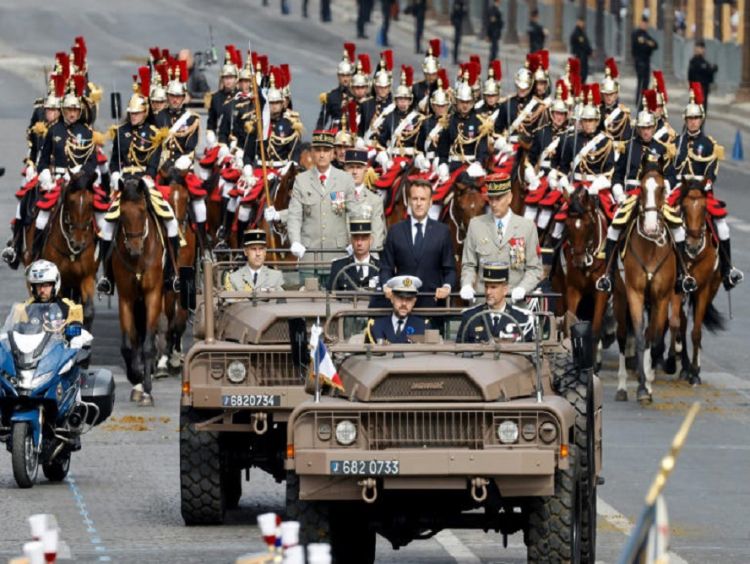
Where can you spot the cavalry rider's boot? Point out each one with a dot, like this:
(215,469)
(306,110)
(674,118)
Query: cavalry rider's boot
(201,233)
(104,284)
(38,244)
(604,283)
(684,283)
(223,233)
(171,278)
(730,275)
(12,253)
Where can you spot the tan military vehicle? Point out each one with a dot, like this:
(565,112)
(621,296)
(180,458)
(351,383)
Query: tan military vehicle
(242,378)
(502,436)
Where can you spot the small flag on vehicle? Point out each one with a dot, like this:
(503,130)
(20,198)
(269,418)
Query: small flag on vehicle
(322,363)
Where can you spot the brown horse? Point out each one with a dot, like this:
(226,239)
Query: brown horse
(586,229)
(517,183)
(138,249)
(702,262)
(177,316)
(467,200)
(396,202)
(71,243)
(650,265)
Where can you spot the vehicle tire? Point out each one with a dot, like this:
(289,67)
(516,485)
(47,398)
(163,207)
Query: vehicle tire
(57,470)
(202,496)
(233,487)
(352,540)
(25,456)
(553,532)
(313,516)
(577,394)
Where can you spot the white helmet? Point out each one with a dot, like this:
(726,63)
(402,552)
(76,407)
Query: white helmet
(42,272)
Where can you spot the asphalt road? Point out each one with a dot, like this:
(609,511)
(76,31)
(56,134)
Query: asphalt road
(122,503)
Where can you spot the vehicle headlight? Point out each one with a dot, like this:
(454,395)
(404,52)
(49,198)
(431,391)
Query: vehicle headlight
(236,372)
(346,432)
(507,432)
(547,432)
(324,431)
(528,432)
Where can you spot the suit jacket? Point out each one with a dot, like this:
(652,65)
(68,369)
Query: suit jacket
(349,280)
(317,215)
(519,249)
(241,280)
(474,328)
(435,266)
(382,328)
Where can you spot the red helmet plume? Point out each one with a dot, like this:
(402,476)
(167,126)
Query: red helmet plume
(364,61)
(387,58)
(612,66)
(263,60)
(560,85)
(155,53)
(351,50)
(182,65)
(287,74)
(661,85)
(697,89)
(649,100)
(59,82)
(63,60)
(497,70)
(443,78)
(476,60)
(408,72)
(79,83)
(144,73)
(163,71)
(435,47)
(543,56)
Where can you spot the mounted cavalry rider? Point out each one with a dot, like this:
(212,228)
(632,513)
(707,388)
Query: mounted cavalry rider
(433,125)
(135,153)
(68,149)
(697,158)
(539,160)
(615,116)
(364,102)
(489,108)
(333,102)
(522,111)
(664,134)
(240,128)
(640,153)
(219,103)
(374,110)
(424,89)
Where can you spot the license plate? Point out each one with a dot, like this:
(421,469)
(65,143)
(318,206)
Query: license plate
(365,467)
(250,400)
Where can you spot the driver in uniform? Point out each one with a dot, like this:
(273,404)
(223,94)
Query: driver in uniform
(401,325)
(255,276)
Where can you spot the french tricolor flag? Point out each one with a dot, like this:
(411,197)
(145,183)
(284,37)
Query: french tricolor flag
(321,359)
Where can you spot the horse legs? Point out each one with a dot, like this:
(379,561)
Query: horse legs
(655,338)
(701,304)
(642,353)
(87,299)
(675,339)
(600,306)
(129,348)
(620,311)
(152,306)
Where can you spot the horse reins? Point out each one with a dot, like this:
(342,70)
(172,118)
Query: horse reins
(73,253)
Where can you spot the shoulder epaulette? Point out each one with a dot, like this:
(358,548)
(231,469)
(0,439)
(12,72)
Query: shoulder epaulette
(323,97)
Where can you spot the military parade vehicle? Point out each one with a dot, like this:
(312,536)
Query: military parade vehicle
(500,436)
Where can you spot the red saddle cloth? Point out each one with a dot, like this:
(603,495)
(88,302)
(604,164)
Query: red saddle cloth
(715,207)
(23,190)
(388,178)
(441,190)
(208,160)
(540,195)
(195,186)
(101,158)
(101,199)
(255,192)
(48,199)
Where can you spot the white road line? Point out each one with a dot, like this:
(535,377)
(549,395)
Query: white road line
(453,546)
(625,526)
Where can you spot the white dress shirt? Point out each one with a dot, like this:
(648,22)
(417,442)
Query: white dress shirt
(364,263)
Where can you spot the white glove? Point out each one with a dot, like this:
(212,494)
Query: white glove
(270,214)
(444,172)
(239,155)
(518,294)
(298,249)
(500,144)
(422,163)
(114,180)
(224,152)
(233,144)
(45,180)
(382,160)
(75,170)
(564,184)
(552,179)
(349,249)
(599,183)
(618,193)
(183,163)
(210,139)
(284,169)
(247,171)
(467,293)
(475,170)
(30,172)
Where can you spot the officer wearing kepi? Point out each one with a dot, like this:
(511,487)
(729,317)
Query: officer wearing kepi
(501,237)
(365,202)
(359,271)
(495,318)
(255,276)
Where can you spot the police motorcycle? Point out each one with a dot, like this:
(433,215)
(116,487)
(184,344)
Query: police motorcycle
(47,398)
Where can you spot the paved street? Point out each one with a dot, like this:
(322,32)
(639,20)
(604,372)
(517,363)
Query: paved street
(122,501)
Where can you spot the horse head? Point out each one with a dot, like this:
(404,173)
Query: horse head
(693,205)
(468,199)
(305,157)
(77,211)
(651,198)
(583,229)
(134,215)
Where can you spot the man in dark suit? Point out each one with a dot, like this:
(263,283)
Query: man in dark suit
(360,270)
(494,28)
(580,47)
(496,317)
(537,33)
(400,326)
(458,13)
(642,46)
(421,247)
(700,70)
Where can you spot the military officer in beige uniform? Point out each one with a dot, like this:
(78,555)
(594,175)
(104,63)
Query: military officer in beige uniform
(321,199)
(254,276)
(501,237)
(367,204)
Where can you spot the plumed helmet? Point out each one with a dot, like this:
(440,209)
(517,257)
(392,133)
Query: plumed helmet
(343,138)
(491,87)
(158,94)
(42,272)
(522,78)
(52,102)
(464,93)
(609,84)
(645,119)
(560,103)
(694,107)
(137,104)
(404,88)
(431,63)
(592,99)
(346,65)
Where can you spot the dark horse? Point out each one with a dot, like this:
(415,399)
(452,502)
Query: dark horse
(467,200)
(71,243)
(702,263)
(137,266)
(650,265)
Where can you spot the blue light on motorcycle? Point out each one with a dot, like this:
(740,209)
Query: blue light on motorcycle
(72,330)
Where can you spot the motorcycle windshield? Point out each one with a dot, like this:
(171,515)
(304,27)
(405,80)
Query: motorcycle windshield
(33,330)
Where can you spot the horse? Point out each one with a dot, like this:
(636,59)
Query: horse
(177,317)
(702,262)
(586,228)
(139,245)
(517,182)
(650,265)
(71,243)
(467,200)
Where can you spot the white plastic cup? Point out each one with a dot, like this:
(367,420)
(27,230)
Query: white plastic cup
(289,533)
(34,551)
(294,555)
(267,525)
(50,540)
(38,524)
(319,553)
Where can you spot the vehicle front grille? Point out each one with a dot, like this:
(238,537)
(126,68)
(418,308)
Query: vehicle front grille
(263,368)
(418,429)
(411,386)
(278,332)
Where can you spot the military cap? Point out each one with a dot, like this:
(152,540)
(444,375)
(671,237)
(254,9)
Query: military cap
(322,138)
(254,237)
(497,273)
(404,284)
(360,226)
(355,156)
(498,184)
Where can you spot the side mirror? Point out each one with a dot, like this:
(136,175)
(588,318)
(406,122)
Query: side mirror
(115,105)
(187,287)
(583,346)
(298,342)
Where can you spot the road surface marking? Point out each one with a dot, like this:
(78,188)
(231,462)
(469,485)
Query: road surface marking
(94,538)
(453,546)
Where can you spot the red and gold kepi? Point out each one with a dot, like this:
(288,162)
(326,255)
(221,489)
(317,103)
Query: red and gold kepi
(322,138)
(498,184)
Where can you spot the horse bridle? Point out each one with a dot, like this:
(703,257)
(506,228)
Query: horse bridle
(592,247)
(64,220)
(460,226)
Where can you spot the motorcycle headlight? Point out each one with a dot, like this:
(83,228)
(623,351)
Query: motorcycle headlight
(236,372)
(507,432)
(346,432)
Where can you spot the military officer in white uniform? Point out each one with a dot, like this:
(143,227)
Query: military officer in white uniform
(501,237)
(255,276)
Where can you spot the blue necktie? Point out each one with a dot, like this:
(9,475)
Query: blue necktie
(419,238)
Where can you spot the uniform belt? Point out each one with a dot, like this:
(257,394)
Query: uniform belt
(691,177)
(545,164)
(632,183)
(398,151)
(464,159)
(272,164)
(584,177)
(59,170)
(133,169)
